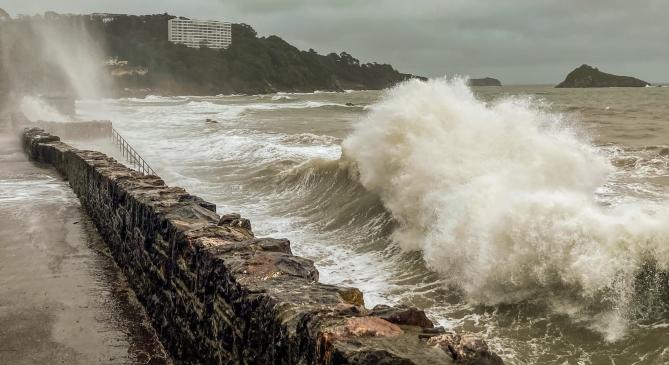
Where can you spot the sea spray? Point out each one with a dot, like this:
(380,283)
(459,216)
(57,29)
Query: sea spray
(72,49)
(500,198)
(52,57)
(36,109)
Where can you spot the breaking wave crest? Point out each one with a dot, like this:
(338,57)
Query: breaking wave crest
(501,199)
(329,192)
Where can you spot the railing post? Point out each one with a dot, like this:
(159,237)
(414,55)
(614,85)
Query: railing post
(130,154)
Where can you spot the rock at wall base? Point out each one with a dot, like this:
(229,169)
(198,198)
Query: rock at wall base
(466,349)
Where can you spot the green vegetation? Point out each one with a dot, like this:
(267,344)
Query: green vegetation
(486,81)
(252,64)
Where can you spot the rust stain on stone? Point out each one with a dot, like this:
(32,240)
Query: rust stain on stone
(263,267)
(212,242)
(365,327)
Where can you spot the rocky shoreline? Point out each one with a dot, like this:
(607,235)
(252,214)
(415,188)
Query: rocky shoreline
(486,81)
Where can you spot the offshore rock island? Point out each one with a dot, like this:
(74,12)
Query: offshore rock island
(588,76)
(486,81)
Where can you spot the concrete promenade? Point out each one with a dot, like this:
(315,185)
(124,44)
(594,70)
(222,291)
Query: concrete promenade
(62,298)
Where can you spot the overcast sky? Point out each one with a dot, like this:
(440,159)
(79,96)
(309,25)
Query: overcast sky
(517,41)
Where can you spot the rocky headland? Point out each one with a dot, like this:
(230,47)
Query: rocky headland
(588,76)
(141,60)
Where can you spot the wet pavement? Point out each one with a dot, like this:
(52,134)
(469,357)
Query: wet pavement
(62,298)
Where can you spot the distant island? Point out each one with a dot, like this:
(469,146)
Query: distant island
(141,60)
(588,76)
(486,81)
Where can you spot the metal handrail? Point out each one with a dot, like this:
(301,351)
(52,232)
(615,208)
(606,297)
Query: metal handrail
(130,155)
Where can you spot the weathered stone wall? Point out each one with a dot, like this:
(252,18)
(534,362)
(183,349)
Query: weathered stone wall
(218,295)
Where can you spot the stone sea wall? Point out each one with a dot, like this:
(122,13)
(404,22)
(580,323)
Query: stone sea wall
(216,294)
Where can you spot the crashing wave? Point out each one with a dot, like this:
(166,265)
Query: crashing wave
(500,198)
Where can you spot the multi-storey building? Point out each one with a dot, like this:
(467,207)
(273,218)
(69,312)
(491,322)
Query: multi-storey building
(200,33)
(106,17)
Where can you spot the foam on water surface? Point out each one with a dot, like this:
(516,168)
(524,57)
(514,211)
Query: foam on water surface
(512,217)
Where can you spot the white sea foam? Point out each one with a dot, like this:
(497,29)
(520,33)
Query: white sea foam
(213,106)
(151,99)
(310,139)
(500,198)
(35,109)
(230,95)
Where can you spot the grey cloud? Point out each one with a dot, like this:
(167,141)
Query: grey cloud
(520,41)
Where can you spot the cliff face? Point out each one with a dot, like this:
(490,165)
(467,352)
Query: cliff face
(588,76)
(486,81)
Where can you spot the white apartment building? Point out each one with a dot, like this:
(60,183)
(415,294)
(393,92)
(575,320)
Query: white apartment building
(199,33)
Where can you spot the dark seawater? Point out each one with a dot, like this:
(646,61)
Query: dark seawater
(533,216)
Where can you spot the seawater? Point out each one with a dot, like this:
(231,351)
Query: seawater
(533,216)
